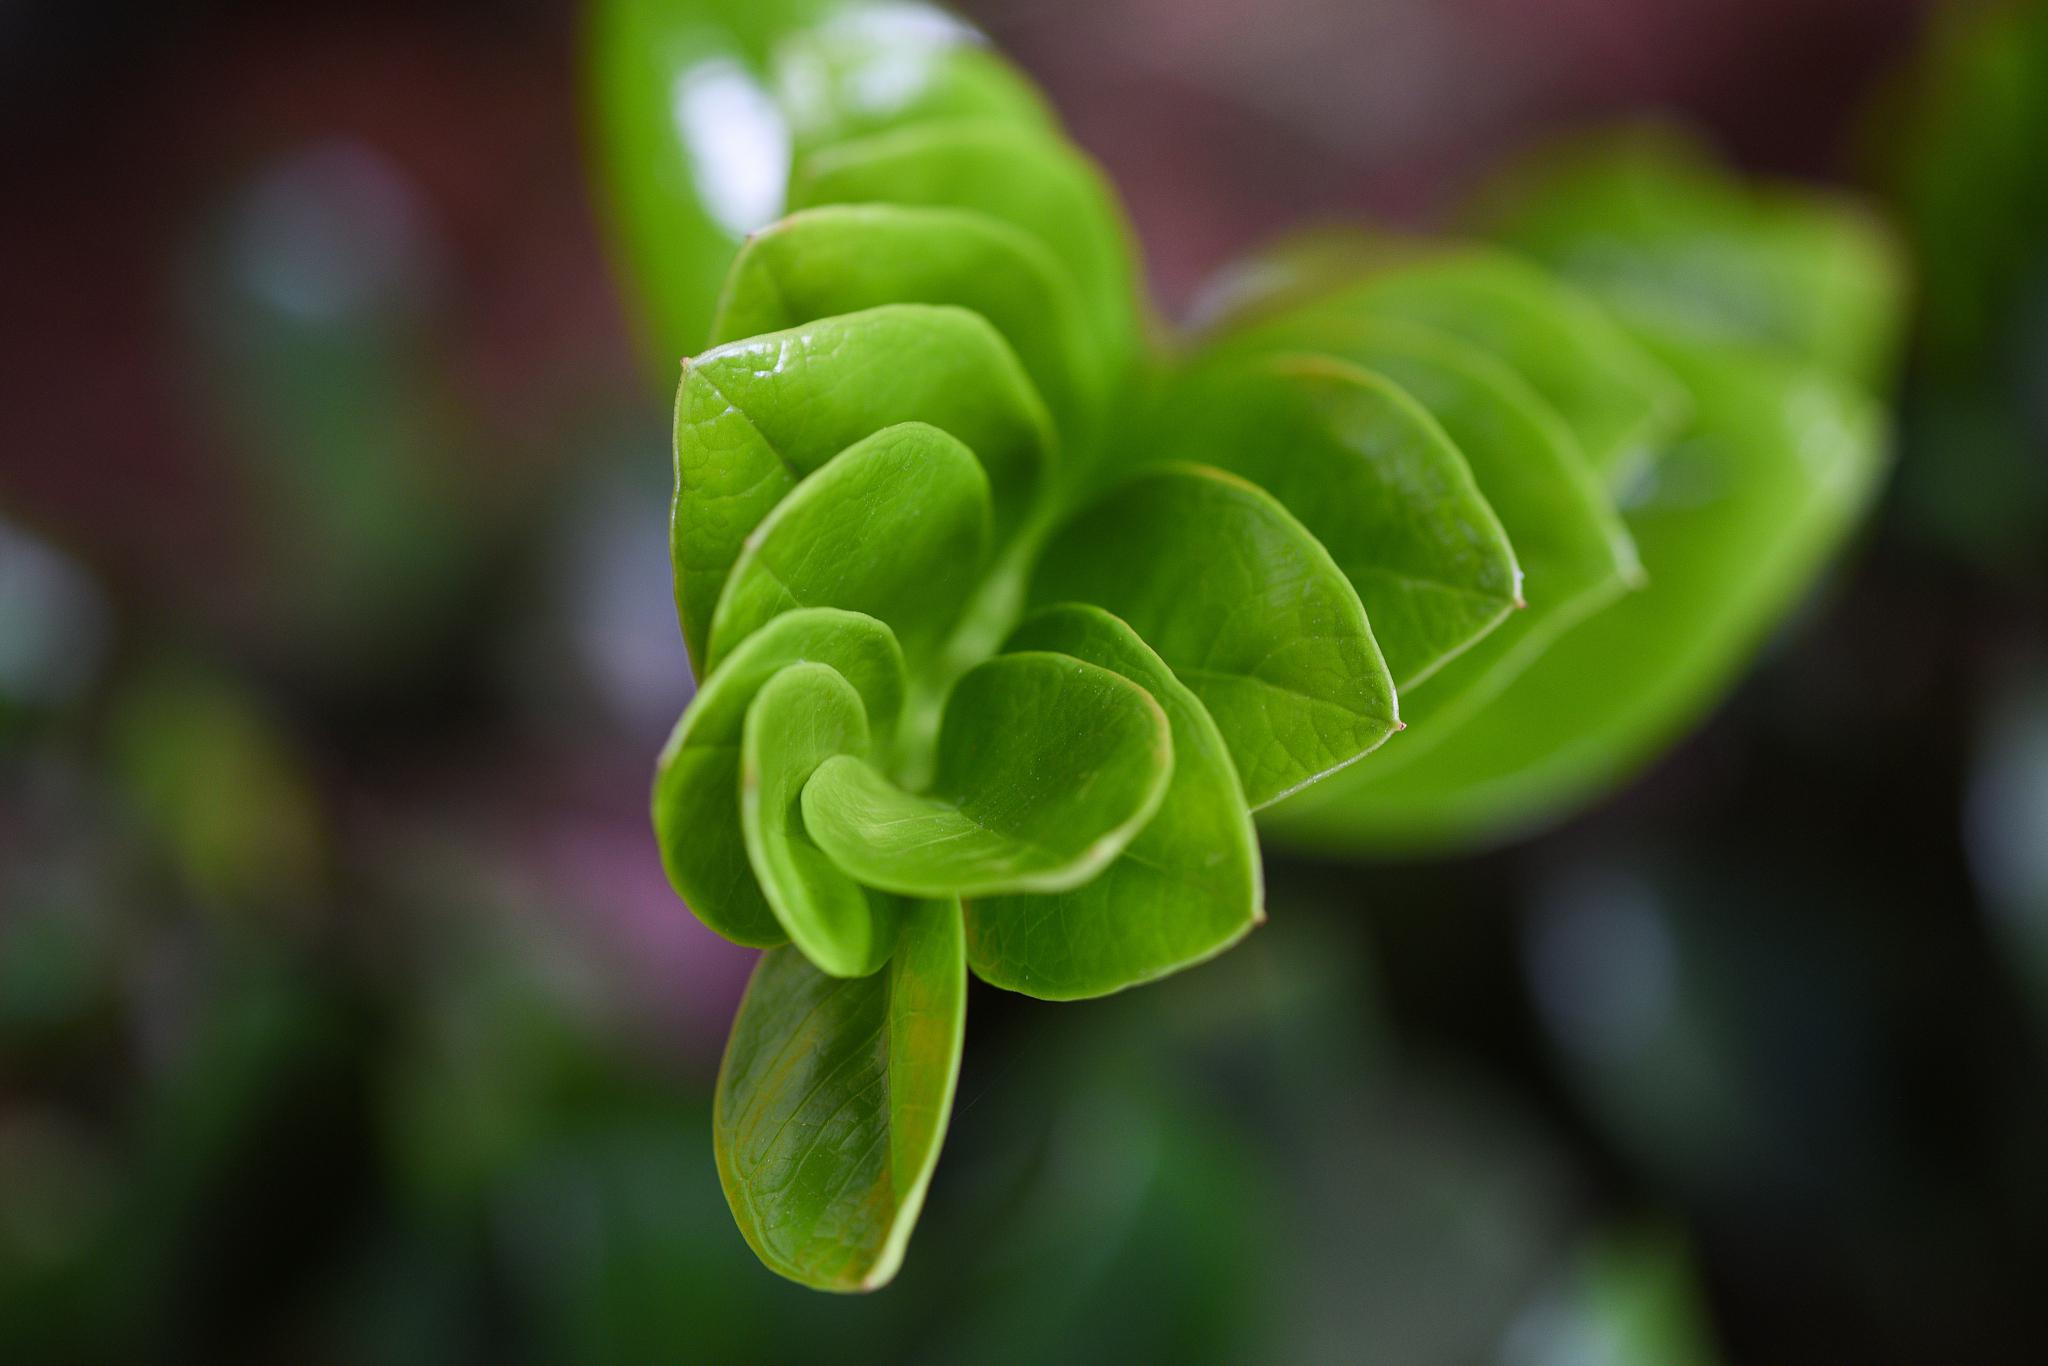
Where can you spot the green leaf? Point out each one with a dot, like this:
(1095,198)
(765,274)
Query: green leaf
(1576,553)
(1248,610)
(697,781)
(1619,404)
(1185,889)
(1047,768)
(833,1100)
(1024,176)
(895,526)
(801,717)
(1775,467)
(821,262)
(756,416)
(1373,477)
(1643,223)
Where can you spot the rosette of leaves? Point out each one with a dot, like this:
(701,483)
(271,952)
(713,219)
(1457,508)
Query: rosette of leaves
(1008,617)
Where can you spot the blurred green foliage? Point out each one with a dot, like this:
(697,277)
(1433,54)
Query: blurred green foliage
(1963,150)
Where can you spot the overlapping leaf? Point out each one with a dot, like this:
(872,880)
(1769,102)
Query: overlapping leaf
(1246,607)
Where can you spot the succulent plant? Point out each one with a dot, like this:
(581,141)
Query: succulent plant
(1010,612)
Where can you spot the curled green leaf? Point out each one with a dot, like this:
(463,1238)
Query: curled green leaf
(1185,889)
(1047,769)
(699,106)
(697,781)
(801,717)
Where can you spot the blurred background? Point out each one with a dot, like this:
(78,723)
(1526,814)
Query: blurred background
(346,1015)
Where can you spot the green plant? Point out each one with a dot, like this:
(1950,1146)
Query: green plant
(1008,618)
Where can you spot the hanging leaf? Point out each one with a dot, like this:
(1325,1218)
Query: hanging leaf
(833,1099)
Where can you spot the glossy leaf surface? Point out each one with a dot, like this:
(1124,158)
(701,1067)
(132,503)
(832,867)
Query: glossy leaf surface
(803,716)
(1047,768)
(1246,608)
(1185,889)
(844,258)
(697,782)
(1372,476)
(756,416)
(833,1100)
(896,526)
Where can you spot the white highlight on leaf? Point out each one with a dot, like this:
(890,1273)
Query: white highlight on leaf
(738,142)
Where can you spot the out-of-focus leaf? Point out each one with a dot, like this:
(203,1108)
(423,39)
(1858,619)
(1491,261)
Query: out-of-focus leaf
(1613,396)
(219,784)
(879,66)
(756,416)
(1047,767)
(1975,207)
(698,108)
(833,1100)
(1373,477)
(1669,245)
(1188,886)
(697,783)
(801,717)
(895,526)
(1615,399)
(692,148)
(1246,608)
(1774,468)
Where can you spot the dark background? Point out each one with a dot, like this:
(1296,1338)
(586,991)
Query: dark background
(345,1014)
